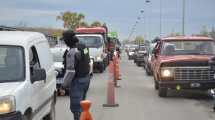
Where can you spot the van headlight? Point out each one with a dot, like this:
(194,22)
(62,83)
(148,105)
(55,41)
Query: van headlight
(7,104)
(167,72)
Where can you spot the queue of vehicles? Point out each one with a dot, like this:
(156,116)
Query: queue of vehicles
(31,73)
(95,38)
(180,63)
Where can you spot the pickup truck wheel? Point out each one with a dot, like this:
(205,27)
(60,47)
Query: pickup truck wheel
(162,92)
(52,114)
(101,68)
(156,86)
(147,71)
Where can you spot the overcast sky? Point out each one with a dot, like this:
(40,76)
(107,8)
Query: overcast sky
(119,15)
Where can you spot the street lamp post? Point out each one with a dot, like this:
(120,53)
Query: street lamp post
(142,12)
(148,16)
(183,18)
(160,18)
(135,25)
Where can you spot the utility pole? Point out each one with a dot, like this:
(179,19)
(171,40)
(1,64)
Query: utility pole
(148,16)
(160,18)
(183,18)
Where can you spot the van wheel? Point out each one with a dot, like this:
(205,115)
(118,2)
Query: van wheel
(162,92)
(27,117)
(52,114)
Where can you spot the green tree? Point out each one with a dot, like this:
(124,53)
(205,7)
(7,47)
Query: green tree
(173,34)
(139,40)
(96,24)
(84,24)
(71,20)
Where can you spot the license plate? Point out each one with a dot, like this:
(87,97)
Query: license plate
(59,80)
(195,85)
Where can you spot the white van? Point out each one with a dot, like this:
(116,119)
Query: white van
(27,77)
(96,45)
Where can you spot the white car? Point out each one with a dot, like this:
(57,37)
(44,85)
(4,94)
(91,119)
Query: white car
(27,77)
(96,45)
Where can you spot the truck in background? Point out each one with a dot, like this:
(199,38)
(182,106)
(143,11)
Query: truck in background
(95,38)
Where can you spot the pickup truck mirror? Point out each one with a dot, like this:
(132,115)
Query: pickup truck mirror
(38,75)
(155,52)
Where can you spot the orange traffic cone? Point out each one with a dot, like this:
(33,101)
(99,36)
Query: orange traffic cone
(118,76)
(85,115)
(115,71)
(110,88)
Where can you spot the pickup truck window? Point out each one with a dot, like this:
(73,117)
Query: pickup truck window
(12,64)
(91,41)
(188,48)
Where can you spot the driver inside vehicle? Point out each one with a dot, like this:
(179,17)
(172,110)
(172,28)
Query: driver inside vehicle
(169,49)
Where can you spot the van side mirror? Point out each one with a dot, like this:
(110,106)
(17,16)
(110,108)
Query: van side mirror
(38,75)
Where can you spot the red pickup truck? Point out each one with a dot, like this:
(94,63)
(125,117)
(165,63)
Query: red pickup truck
(182,63)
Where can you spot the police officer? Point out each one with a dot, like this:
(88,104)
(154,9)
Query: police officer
(77,58)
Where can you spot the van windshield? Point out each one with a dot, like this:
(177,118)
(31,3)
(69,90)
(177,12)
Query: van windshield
(91,41)
(188,47)
(12,66)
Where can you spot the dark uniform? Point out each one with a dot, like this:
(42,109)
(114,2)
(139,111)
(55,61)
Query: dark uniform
(77,59)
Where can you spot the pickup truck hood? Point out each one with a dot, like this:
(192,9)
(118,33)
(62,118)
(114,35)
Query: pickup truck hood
(95,51)
(8,88)
(164,59)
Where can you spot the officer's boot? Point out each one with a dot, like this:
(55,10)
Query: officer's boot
(76,115)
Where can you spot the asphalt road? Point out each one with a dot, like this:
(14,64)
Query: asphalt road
(138,100)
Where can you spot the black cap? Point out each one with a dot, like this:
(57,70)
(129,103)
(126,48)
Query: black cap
(69,38)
